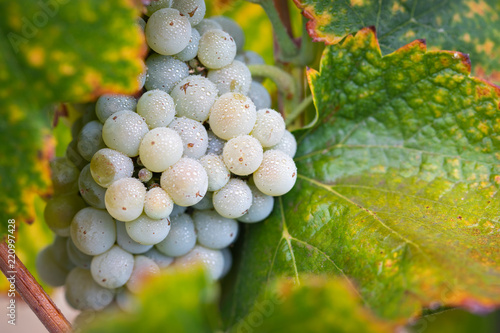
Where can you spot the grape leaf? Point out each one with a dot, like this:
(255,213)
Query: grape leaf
(397,188)
(55,50)
(454,321)
(470,26)
(175,301)
(317,305)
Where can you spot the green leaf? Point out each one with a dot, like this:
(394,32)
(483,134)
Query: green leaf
(397,188)
(51,51)
(470,26)
(317,305)
(175,301)
(455,321)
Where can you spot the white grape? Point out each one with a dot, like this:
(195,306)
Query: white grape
(206,25)
(193,135)
(168,31)
(126,301)
(144,268)
(249,57)
(113,268)
(243,155)
(178,210)
(194,10)
(145,230)
(269,127)
(159,258)
(194,96)
(93,231)
(60,210)
(160,148)
(124,131)
(216,49)
(64,175)
(158,204)
(144,175)
(235,77)
(186,182)
(109,165)
(108,104)
(234,199)
(277,173)
(262,206)
(205,203)
(156,5)
(50,270)
(191,50)
(90,139)
(214,231)
(211,259)
(164,72)
(259,96)
(125,199)
(77,257)
(127,243)
(83,293)
(232,28)
(181,238)
(218,174)
(91,192)
(287,144)
(231,115)
(157,108)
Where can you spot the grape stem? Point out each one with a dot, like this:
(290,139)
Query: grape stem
(283,80)
(299,110)
(32,293)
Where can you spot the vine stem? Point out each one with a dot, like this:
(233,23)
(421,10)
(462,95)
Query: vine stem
(32,293)
(284,81)
(299,109)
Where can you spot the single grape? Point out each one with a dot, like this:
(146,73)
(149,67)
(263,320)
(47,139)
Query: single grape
(90,140)
(74,156)
(262,206)
(215,144)
(191,50)
(145,230)
(194,96)
(156,5)
(214,231)
(83,293)
(77,257)
(287,144)
(259,96)
(206,25)
(211,259)
(216,49)
(178,210)
(194,136)
(127,243)
(194,10)
(124,132)
(228,261)
(277,173)
(232,28)
(113,268)
(205,203)
(144,175)
(158,204)
(242,155)
(64,175)
(125,199)
(109,165)
(126,301)
(157,108)
(93,231)
(141,23)
(250,58)
(76,127)
(91,192)
(160,148)
(50,270)
(186,182)
(168,31)
(234,199)
(144,268)
(269,127)
(108,104)
(60,210)
(218,174)
(164,72)
(159,258)
(181,238)
(235,77)
(231,115)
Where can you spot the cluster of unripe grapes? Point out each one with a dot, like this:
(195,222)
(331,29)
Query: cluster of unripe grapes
(165,176)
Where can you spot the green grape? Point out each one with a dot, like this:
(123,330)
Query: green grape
(60,210)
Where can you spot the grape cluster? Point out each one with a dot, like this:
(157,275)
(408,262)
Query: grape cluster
(164,177)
